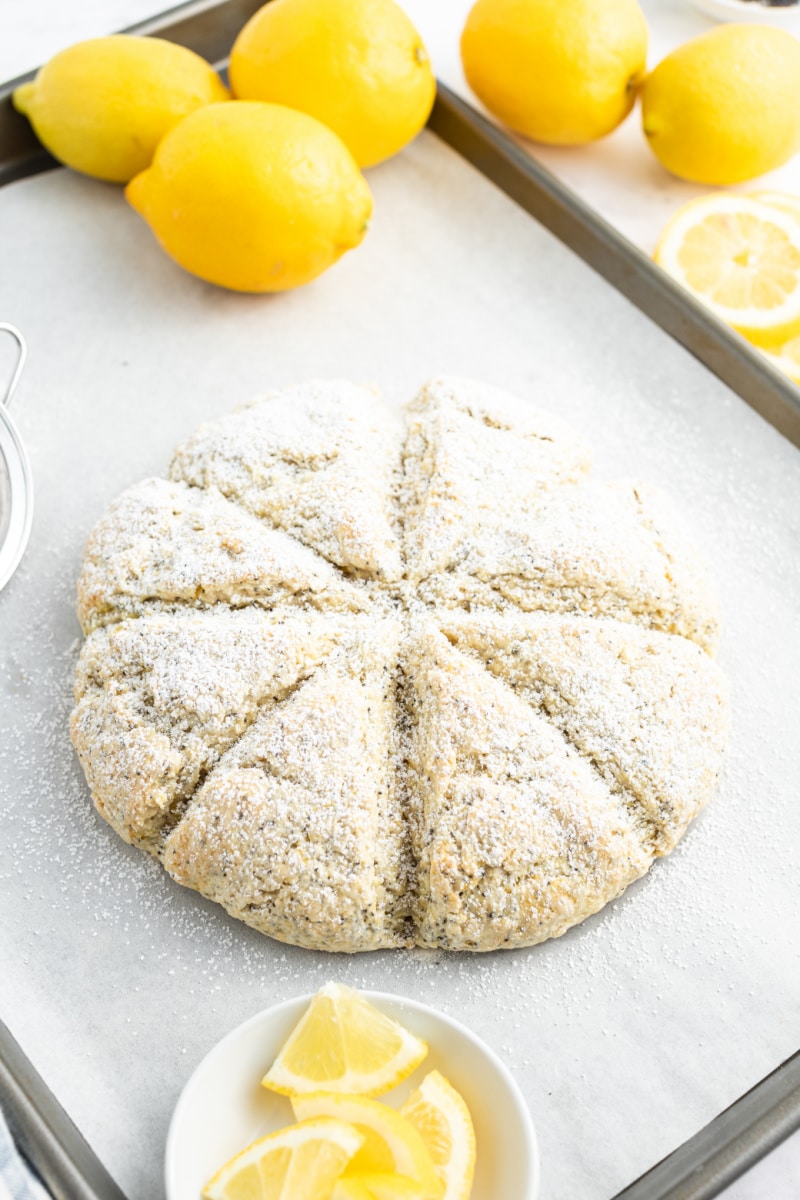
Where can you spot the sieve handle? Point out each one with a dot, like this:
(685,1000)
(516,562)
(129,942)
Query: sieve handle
(22,353)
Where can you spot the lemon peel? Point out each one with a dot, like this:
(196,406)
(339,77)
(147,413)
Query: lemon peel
(102,105)
(253,197)
(300,1162)
(441,1115)
(725,107)
(558,71)
(359,66)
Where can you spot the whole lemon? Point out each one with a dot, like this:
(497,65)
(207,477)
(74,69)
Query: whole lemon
(725,107)
(254,197)
(559,71)
(359,66)
(103,106)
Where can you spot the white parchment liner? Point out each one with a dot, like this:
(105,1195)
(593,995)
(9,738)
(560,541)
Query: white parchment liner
(629,1033)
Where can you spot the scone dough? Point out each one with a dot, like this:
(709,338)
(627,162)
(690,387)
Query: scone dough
(370,682)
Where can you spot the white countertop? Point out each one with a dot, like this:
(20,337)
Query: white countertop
(36,28)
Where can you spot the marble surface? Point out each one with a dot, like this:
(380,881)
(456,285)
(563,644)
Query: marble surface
(631,1032)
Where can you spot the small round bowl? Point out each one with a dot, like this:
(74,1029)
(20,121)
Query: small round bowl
(223,1106)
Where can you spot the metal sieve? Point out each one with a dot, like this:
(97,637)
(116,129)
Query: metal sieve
(16,479)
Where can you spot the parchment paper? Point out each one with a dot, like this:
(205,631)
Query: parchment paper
(633,1030)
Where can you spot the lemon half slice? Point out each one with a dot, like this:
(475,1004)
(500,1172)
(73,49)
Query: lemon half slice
(391,1143)
(787,359)
(741,257)
(301,1162)
(344,1044)
(440,1114)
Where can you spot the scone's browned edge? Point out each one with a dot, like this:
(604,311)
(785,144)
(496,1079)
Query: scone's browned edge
(372,682)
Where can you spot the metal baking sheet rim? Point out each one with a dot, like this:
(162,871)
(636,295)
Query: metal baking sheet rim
(758,1121)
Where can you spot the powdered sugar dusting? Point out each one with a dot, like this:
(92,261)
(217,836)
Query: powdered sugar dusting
(316,460)
(406,795)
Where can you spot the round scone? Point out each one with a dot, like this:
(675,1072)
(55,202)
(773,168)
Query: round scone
(372,682)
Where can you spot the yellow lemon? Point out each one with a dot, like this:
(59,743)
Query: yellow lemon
(301,1162)
(725,107)
(103,106)
(254,197)
(351,1189)
(377,1186)
(391,1143)
(443,1120)
(359,66)
(560,71)
(742,259)
(344,1044)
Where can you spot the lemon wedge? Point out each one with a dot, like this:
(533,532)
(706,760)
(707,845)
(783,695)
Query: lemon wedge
(351,1189)
(344,1044)
(741,257)
(377,1187)
(440,1114)
(301,1162)
(787,359)
(391,1143)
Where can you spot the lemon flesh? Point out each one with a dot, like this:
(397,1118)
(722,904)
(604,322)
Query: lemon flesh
(253,197)
(742,259)
(558,71)
(102,106)
(443,1120)
(301,1162)
(359,66)
(725,107)
(380,1186)
(391,1143)
(351,1189)
(345,1044)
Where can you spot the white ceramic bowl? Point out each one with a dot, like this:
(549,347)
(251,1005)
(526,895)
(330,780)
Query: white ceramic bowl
(223,1106)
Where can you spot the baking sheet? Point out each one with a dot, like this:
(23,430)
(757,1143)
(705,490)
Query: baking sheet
(629,1033)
